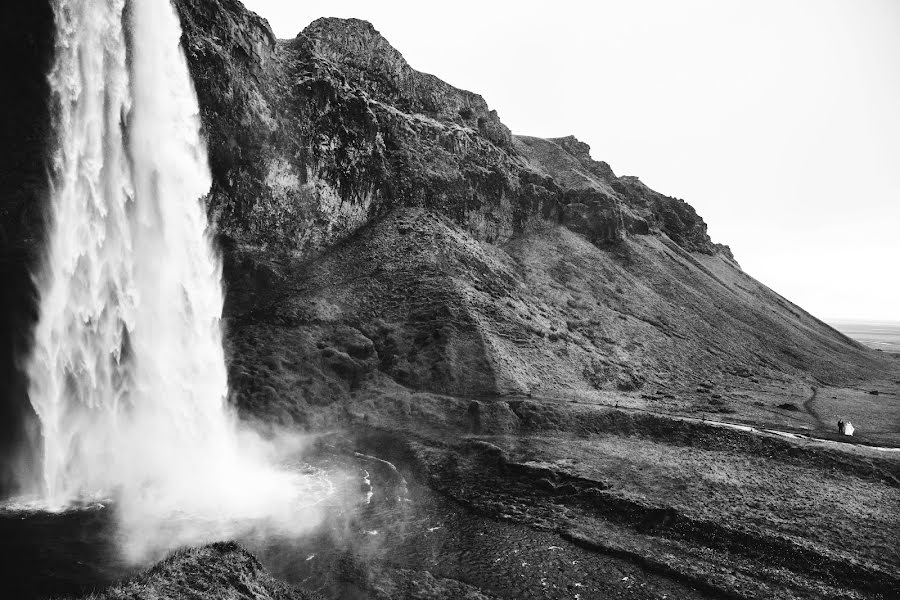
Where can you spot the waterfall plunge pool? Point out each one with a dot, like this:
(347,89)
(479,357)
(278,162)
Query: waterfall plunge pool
(356,503)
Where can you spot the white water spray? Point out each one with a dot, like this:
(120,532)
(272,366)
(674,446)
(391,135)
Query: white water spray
(128,372)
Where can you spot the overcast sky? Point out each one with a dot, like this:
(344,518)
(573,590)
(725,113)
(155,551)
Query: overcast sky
(778,120)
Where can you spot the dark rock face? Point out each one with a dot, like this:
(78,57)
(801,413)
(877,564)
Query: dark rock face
(372,65)
(314,137)
(26,49)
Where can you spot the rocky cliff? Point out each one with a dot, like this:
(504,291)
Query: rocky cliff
(386,234)
(313,138)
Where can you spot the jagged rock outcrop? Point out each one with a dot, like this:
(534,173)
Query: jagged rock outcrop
(312,138)
(218,571)
(370,63)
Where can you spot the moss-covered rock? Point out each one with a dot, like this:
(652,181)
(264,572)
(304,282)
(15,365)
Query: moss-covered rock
(223,571)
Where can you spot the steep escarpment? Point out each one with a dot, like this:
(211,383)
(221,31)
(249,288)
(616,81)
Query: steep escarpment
(585,180)
(312,138)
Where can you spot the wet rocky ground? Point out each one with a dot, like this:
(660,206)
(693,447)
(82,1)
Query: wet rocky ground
(717,511)
(385,536)
(578,501)
(413,541)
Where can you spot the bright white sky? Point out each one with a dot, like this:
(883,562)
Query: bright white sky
(778,120)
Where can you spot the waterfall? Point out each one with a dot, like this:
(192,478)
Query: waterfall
(128,372)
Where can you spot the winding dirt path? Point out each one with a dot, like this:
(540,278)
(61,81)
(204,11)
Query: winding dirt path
(810,409)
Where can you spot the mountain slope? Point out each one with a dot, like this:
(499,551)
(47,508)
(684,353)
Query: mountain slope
(467,260)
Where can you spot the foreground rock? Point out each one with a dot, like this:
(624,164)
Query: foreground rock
(223,571)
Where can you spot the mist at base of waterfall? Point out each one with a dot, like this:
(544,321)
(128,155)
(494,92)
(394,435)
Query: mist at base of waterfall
(94,543)
(196,503)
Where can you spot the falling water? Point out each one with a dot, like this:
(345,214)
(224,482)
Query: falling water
(128,372)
